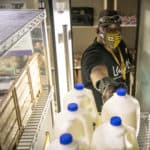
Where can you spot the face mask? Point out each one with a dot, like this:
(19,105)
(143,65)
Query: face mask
(112,40)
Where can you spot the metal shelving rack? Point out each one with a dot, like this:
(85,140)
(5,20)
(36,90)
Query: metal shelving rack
(31,135)
(14,24)
(144,134)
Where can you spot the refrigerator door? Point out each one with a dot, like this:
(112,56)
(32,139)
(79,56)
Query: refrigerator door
(62,48)
(143,58)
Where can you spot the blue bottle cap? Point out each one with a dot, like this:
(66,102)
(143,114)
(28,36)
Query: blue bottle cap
(79,86)
(115,121)
(72,107)
(121,91)
(65,139)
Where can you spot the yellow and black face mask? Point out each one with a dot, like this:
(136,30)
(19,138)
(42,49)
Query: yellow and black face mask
(112,40)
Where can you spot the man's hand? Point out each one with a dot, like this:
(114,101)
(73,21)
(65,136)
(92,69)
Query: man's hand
(107,93)
(108,86)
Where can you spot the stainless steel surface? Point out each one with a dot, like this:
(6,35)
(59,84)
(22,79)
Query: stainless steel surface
(14,24)
(144,134)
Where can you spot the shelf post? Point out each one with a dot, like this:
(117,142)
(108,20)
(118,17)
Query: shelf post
(105,4)
(115,4)
(47,53)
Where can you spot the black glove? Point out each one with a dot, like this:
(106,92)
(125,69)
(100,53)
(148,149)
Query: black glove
(107,86)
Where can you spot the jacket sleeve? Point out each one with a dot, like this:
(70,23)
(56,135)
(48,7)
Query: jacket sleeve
(90,58)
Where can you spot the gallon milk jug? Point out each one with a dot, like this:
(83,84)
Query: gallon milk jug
(85,99)
(113,135)
(65,142)
(123,105)
(76,123)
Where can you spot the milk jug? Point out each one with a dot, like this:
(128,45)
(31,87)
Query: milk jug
(85,99)
(113,135)
(123,105)
(76,123)
(65,142)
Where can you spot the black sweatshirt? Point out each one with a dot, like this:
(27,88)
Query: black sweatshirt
(96,54)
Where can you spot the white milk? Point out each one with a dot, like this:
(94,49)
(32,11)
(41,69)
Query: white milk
(85,99)
(76,123)
(65,142)
(123,105)
(114,136)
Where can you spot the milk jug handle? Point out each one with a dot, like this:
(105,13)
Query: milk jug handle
(130,138)
(86,131)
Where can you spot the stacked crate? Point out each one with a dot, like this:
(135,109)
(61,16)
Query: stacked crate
(16,107)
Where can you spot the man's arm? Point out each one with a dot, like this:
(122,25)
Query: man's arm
(103,83)
(98,73)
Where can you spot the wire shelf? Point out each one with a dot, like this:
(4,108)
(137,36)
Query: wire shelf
(14,24)
(144,134)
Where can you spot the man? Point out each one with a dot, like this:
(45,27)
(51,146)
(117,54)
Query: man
(105,63)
